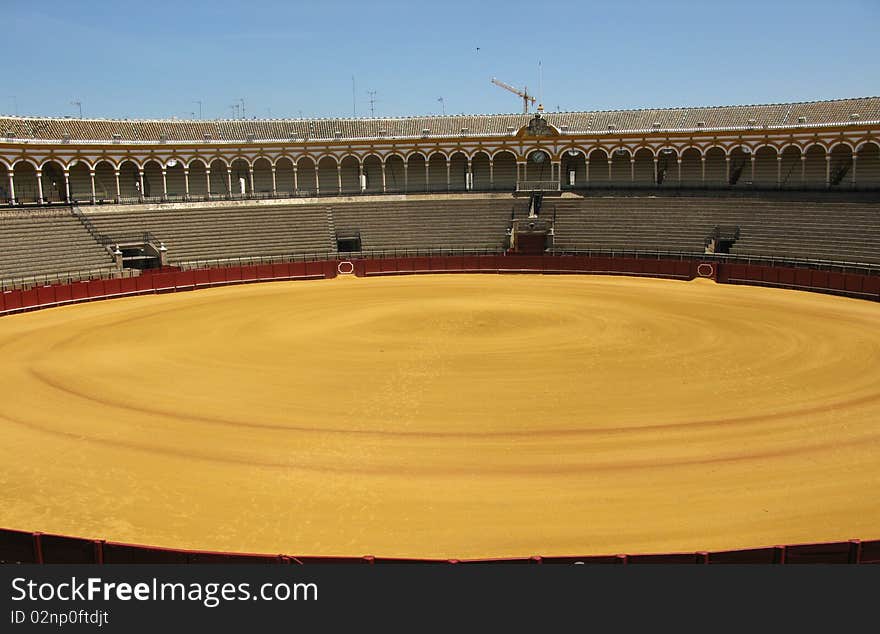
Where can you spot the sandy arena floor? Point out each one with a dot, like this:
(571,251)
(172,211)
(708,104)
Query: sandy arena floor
(453,416)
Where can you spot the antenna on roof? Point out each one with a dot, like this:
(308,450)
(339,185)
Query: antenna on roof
(372,94)
(79,105)
(540,87)
(241,99)
(442,103)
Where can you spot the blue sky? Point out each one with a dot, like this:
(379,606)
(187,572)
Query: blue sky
(290,59)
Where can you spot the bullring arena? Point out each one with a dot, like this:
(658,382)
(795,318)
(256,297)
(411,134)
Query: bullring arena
(677,354)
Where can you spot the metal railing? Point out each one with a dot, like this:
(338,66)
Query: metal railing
(25,282)
(519,187)
(202,263)
(844,266)
(841,266)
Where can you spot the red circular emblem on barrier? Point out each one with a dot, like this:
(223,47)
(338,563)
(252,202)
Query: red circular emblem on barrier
(345,268)
(705,270)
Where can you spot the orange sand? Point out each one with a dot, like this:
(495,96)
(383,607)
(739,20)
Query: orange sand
(454,416)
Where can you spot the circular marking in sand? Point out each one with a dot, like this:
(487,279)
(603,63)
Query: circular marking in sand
(448,416)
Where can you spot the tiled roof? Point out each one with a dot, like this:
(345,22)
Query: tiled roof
(770,115)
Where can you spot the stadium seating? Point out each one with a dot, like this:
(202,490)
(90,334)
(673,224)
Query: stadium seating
(838,227)
(828,228)
(209,233)
(431,224)
(42,242)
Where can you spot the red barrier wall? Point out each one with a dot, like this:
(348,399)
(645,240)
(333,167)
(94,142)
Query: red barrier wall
(45,295)
(850,284)
(29,298)
(112,287)
(64,293)
(24,547)
(128,285)
(95,288)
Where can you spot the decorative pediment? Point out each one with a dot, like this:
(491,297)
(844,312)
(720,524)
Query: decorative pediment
(538,127)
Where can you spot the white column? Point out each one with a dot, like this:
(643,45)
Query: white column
(186,183)
(678,161)
(229,181)
(609,169)
(727,170)
(274,189)
(491,173)
(656,172)
(11,186)
(295,180)
(632,170)
(164,184)
(116,178)
(405,176)
(208,181)
(469,179)
(361,182)
(703,170)
(67,184)
(854,157)
(827,170)
(778,171)
(339,177)
(427,175)
(447,175)
(587,169)
(803,169)
(251,179)
(383,177)
(40,186)
(317,181)
(92,178)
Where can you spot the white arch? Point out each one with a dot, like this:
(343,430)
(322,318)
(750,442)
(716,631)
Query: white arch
(393,154)
(789,144)
(811,143)
(25,159)
(874,142)
(279,157)
(686,148)
(838,143)
(763,145)
(638,148)
(302,157)
(205,162)
(239,157)
(505,150)
(129,159)
(435,151)
(414,152)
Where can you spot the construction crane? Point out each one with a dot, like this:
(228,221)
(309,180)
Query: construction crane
(524,93)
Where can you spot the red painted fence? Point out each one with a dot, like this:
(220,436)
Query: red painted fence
(859,285)
(38,548)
